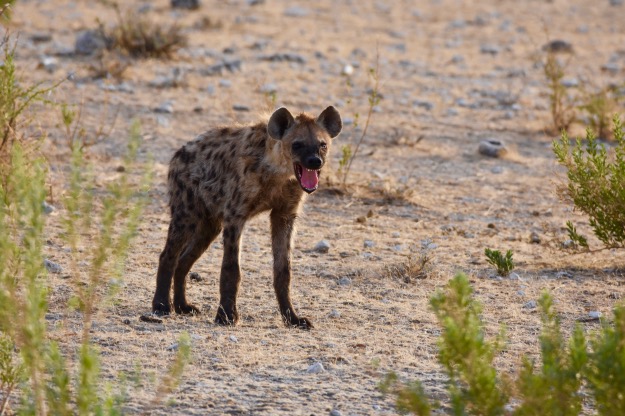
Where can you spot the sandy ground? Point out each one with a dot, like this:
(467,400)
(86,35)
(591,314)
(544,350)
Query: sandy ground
(452,73)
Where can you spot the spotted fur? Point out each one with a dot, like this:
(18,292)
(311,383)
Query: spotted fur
(225,177)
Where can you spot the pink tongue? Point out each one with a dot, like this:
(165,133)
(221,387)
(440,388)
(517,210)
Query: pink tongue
(310,178)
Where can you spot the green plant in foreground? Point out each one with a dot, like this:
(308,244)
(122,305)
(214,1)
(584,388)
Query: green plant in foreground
(504,264)
(596,184)
(605,371)
(553,389)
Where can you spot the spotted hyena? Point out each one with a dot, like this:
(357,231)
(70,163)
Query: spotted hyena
(225,177)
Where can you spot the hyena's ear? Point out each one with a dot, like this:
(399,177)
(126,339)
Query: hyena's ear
(279,123)
(330,119)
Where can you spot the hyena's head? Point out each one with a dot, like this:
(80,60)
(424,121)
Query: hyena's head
(305,141)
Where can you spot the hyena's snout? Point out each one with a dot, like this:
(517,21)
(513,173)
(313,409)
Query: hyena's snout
(307,171)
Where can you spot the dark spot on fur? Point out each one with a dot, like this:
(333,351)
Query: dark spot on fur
(224,131)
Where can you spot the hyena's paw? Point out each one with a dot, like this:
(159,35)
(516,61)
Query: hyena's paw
(301,323)
(226,317)
(187,309)
(161,307)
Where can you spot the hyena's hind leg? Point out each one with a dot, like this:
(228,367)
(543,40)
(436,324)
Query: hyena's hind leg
(204,235)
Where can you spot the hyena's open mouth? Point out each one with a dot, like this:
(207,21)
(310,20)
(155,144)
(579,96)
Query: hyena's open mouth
(308,178)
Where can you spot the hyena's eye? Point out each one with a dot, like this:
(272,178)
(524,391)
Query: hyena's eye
(323,145)
(297,145)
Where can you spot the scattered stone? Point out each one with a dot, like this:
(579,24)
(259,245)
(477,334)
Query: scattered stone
(492,148)
(369,244)
(232,65)
(126,321)
(344,281)
(423,104)
(52,267)
(47,208)
(240,107)
(232,338)
(226,83)
(283,57)
(185,4)
(361,220)
(335,412)
(255,2)
(520,293)
(534,238)
(175,79)
(614,295)
(334,314)
(558,46)
(88,42)
(564,273)
(296,11)
(347,70)
(570,82)
(166,107)
(195,277)
(151,319)
(530,304)
(316,368)
(269,88)
(568,243)
(616,2)
(322,246)
(173,347)
(41,37)
(48,63)
(595,314)
(396,234)
(514,276)
(497,170)
(490,49)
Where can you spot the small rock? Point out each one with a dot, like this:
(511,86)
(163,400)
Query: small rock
(558,46)
(396,234)
(520,293)
(335,412)
(347,70)
(497,170)
(175,79)
(534,238)
(296,11)
(595,314)
(361,220)
(322,246)
(49,63)
(269,88)
(369,244)
(52,267)
(232,65)
(570,82)
(492,148)
(126,321)
(490,49)
(614,295)
(88,42)
(344,281)
(565,274)
(316,368)
(226,83)
(530,304)
(173,347)
(568,243)
(283,57)
(41,37)
(166,107)
(47,208)
(232,338)
(240,107)
(185,4)
(514,276)
(616,2)
(423,104)
(334,314)
(151,319)
(195,277)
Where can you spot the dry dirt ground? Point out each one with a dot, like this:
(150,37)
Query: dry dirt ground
(452,73)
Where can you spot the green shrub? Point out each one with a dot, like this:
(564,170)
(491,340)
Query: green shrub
(595,184)
(568,373)
(504,264)
(553,390)
(605,371)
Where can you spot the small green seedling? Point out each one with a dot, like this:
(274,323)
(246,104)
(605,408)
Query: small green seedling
(504,264)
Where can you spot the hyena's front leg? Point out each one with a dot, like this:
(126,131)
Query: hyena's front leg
(230,275)
(281,233)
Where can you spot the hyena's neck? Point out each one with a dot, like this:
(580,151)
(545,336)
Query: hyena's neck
(275,159)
